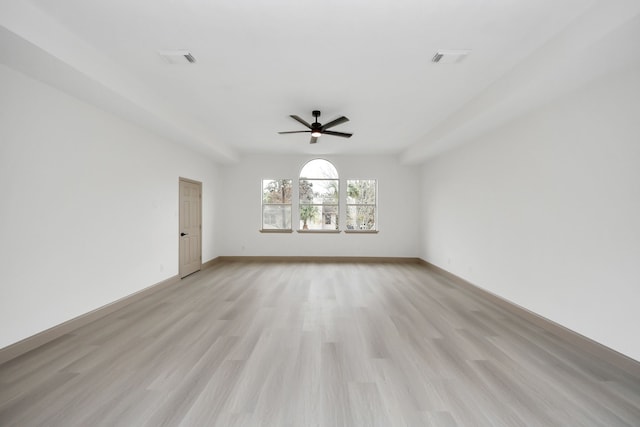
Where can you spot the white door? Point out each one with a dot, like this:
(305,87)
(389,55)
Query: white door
(190,226)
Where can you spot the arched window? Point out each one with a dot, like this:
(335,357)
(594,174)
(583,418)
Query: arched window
(319,196)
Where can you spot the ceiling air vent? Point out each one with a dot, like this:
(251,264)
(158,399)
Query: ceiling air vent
(177,56)
(449,56)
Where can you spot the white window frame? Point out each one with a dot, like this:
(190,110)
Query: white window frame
(283,205)
(325,208)
(374,205)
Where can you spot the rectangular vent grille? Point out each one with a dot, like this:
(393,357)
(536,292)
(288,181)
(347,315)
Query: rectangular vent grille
(178,56)
(449,56)
(437,57)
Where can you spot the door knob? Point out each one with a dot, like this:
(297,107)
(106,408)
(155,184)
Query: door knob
(184,234)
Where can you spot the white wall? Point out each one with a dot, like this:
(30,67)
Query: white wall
(545,211)
(397,214)
(89,207)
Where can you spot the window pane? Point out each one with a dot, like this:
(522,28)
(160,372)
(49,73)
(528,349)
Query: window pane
(276,217)
(319,196)
(319,168)
(361,191)
(306,191)
(276,190)
(319,191)
(318,217)
(276,204)
(361,218)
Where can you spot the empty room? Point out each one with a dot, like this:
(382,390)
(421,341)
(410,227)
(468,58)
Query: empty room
(340,213)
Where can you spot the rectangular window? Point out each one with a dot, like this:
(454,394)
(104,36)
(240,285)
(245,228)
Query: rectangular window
(276,204)
(318,204)
(362,199)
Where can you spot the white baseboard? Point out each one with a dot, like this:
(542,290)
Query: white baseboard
(602,352)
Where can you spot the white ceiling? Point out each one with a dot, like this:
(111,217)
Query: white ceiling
(258,62)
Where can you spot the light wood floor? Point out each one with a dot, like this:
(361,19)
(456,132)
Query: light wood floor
(313,344)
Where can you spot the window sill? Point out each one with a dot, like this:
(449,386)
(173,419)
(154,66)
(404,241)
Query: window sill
(274,230)
(319,231)
(361,231)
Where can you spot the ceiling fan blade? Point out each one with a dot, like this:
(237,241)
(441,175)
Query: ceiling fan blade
(314,139)
(342,134)
(295,131)
(335,122)
(294,117)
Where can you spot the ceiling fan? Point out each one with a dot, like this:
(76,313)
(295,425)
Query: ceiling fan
(317,129)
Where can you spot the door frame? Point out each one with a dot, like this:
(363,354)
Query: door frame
(199,184)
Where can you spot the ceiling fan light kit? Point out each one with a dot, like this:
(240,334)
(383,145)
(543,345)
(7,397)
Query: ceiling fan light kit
(317,129)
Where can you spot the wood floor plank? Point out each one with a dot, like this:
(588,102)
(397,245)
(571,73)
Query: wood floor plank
(314,344)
